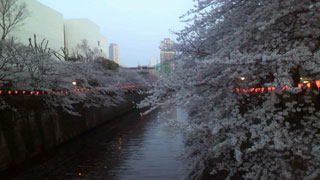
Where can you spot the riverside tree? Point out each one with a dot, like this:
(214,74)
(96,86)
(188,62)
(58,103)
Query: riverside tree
(36,68)
(232,135)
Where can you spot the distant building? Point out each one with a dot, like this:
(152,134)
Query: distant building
(145,70)
(153,62)
(114,52)
(166,50)
(167,55)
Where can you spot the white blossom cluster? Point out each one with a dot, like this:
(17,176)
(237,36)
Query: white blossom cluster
(35,68)
(256,136)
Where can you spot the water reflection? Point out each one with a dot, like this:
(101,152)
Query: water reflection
(132,148)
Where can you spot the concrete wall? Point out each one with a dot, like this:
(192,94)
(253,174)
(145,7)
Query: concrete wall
(77,30)
(33,130)
(42,21)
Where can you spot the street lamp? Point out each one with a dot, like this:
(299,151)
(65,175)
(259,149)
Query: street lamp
(74,83)
(243,78)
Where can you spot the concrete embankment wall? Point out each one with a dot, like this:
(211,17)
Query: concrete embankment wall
(32,130)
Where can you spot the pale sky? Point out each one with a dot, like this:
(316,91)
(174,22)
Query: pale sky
(137,26)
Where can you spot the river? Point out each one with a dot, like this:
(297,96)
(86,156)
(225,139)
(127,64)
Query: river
(130,147)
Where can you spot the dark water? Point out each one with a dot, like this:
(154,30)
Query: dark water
(130,148)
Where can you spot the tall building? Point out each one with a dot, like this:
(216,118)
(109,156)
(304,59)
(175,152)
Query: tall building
(167,55)
(166,50)
(114,52)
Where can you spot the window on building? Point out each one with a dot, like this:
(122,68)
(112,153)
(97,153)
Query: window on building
(98,43)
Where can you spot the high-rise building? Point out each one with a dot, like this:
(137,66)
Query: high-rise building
(167,55)
(166,50)
(114,52)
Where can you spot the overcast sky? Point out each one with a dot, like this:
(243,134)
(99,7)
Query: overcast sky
(137,26)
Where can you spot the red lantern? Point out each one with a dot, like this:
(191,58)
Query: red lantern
(16,92)
(309,85)
(300,85)
(237,89)
(286,87)
(252,90)
(258,89)
(31,92)
(244,90)
(318,83)
(0,92)
(37,93)
(9,92)
(271,88)
(262,89)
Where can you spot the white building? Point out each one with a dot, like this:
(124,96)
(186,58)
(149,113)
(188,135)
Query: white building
(167,52)
(114,52)
(47,23)
(77,30)
(43,21)
(153,62)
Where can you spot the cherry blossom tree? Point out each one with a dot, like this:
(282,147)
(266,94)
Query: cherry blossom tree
(35,68)
(253,135)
